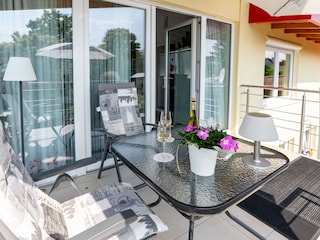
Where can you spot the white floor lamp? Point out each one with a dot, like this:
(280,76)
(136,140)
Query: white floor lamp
(258,127)
(20,69)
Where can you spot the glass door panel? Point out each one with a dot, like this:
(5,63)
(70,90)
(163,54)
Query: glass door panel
(215,89)
(284,72)
(179,72)
(120,31)
(269,69)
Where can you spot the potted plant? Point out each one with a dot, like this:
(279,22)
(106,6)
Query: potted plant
(203,143)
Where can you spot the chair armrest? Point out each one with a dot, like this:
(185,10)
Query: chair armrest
(151,125)
(107,227)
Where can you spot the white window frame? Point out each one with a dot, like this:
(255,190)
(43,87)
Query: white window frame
(277,45)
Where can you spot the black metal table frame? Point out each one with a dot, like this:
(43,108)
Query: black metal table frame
(186,210)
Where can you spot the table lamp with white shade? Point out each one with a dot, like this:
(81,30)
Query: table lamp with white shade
(20,69)
(258,127)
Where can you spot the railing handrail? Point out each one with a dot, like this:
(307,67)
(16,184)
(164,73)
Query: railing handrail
(304,133)
(277,88)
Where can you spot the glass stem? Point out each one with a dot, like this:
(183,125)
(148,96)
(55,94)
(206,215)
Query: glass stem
(163,146)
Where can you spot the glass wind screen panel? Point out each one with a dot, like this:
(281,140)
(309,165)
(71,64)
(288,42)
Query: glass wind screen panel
(117,32)
(217,68)
(39,31)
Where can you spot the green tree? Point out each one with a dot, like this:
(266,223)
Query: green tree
(124,46)
(52,27)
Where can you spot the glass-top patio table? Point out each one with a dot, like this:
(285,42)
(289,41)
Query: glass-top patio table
(190,194)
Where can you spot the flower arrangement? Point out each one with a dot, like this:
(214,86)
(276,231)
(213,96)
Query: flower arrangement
(208,138)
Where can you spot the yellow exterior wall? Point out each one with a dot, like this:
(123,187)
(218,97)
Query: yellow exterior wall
(309,64)
(224,9)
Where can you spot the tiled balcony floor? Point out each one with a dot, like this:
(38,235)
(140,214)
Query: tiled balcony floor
(218,226)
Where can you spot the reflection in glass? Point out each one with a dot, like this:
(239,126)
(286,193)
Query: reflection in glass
(119,30)
(48,102)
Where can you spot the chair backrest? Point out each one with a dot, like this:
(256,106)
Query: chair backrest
(28,213)
(25,211)
(119,109)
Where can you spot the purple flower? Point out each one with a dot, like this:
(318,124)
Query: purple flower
(209,138)
(227,143)
(235,146)
(189,128)
(203,134)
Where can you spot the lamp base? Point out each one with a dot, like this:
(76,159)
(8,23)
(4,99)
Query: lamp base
(260,163)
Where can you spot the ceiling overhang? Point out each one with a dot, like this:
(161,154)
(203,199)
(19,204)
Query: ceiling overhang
(303,26)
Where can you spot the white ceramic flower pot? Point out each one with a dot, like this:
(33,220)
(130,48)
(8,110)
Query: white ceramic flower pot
(202,161)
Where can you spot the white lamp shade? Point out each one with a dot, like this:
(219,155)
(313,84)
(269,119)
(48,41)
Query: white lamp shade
(19,69)
(258,127)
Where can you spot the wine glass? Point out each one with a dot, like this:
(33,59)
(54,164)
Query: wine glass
(166,120)
(163,135)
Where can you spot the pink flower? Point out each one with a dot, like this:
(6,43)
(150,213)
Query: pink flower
(203,134)
(189,128)
(227,143)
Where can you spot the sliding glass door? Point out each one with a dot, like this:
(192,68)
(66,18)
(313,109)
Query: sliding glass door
(73,48)
(41,31)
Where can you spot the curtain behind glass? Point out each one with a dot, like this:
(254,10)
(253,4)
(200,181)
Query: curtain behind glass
(217,72)
(48,102)
(119,30)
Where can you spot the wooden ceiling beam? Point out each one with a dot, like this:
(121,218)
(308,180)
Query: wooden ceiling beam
(310,35)
(314,39)
(302,30)
(295,25)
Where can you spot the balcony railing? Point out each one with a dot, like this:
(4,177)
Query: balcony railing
(295,113)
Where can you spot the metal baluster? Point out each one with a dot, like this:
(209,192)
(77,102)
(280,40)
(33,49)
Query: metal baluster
(302,121)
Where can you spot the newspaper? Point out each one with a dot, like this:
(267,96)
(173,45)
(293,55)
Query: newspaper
(120,110)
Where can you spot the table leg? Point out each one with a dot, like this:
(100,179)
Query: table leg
(191,226)
(245,226)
